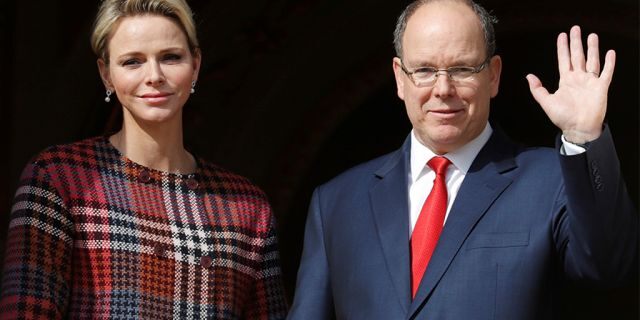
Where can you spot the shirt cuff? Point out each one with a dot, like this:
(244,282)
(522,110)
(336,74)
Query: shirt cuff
(570,149)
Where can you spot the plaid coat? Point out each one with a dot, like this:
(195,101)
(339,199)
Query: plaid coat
(94,235)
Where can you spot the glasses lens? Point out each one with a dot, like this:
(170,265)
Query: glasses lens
(425,74)
(426,77)
(460,74)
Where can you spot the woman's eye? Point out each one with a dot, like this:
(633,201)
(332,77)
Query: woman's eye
(130,62)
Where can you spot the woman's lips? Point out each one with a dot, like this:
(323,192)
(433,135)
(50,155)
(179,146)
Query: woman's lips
(155,98)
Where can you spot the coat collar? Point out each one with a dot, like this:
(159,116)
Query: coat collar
(390,208)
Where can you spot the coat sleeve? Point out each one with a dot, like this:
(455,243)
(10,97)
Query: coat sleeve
(268,301)
(313,298)
(598,228)
(37,266)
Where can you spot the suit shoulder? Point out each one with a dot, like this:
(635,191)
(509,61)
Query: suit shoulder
(362,172)
(538,156)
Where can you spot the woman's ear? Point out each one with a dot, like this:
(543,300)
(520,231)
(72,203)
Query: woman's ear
(197,60)
(103,68)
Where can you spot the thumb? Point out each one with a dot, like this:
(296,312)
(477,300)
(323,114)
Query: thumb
(538,92)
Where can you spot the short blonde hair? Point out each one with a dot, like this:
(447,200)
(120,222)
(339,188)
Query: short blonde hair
(111,11)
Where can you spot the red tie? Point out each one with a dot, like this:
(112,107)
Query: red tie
(429,225)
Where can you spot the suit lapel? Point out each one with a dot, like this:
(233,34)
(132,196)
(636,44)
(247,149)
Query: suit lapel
(389,202)
(481,187)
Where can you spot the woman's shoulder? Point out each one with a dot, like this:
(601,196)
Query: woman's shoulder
(68,152)
(234,197)
(54,165)
(218,178)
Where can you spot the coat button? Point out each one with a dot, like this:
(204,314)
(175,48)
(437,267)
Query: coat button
(206,261)
(159,250)
(144,176)
(192,183)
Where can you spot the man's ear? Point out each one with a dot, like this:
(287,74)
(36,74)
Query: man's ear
(495,68)
(400,78)
(103,68)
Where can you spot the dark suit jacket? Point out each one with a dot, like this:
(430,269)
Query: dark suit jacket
(523,219)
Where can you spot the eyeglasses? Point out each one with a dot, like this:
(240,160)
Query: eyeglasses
(427,76)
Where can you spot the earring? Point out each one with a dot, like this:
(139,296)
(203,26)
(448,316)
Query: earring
(193,85)
(108,97)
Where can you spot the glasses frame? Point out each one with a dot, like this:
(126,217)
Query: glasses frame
(473,70)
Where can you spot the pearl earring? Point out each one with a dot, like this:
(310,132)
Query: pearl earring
(108,97)
(193,85)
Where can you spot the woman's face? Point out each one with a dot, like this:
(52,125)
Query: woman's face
(150,68)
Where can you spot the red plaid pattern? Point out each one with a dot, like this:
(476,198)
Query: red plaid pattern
(96,236)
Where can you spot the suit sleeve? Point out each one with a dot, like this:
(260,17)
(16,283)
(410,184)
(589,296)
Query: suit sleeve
(598,227)
(37,267)
(313,299)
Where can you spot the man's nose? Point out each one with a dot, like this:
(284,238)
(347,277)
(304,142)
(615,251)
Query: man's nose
(443,86)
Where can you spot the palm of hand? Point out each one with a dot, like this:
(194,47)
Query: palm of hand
(579,105)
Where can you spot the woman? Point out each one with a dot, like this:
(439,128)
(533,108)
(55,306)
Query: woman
(133,225)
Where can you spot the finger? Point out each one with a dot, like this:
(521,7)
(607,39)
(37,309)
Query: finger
(593,56)
(564,64)
(577,53)
(538,92)
(609,65)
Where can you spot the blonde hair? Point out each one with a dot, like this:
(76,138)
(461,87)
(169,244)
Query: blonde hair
(111,11)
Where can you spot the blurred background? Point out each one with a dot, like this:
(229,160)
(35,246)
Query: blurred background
(292,92)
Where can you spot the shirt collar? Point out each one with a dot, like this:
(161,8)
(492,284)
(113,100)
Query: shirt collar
(461,158)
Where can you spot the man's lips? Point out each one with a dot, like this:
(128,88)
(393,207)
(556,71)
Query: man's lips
(446,113)
(446,110)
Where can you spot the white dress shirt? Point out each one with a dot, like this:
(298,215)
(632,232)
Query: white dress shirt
(421,176)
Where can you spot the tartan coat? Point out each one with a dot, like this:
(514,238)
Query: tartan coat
(94,235)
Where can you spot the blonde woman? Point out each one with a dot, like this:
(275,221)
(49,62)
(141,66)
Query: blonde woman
(133,225)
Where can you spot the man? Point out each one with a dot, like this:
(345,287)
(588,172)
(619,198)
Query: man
(501,224)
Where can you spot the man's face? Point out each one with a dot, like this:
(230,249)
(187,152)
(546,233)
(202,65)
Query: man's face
(448,114)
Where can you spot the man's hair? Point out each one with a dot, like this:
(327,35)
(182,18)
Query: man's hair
(486,20)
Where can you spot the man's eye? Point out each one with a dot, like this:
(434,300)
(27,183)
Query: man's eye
(172,57)
(460,71)
(425,72)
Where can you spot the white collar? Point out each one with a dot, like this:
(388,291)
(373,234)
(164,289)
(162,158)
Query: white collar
(461,158)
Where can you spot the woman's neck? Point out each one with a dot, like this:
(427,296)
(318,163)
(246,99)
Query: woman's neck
(156,146)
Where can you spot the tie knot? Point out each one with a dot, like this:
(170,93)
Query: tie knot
(439,164)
